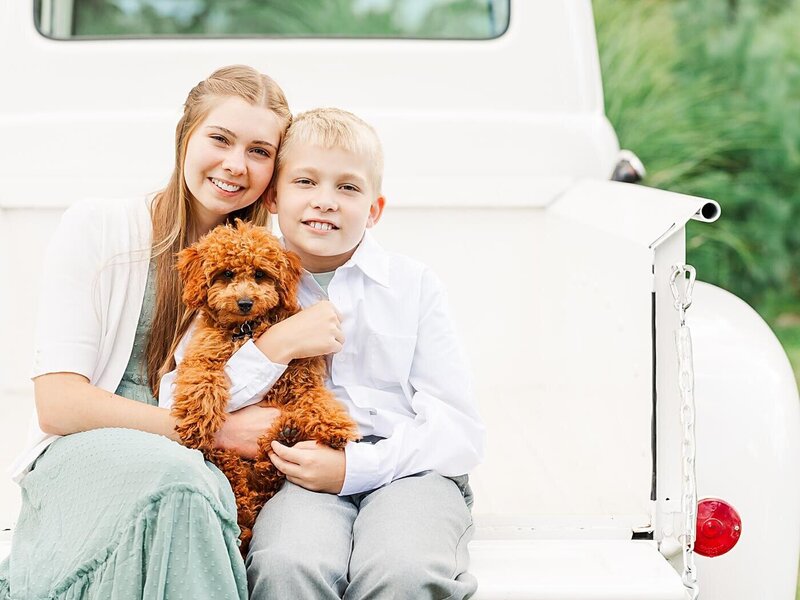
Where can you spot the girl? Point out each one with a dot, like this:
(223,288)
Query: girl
(112,509)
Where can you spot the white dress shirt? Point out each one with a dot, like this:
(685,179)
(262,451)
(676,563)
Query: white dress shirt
(401,374)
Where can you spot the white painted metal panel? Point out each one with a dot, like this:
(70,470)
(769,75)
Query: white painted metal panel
(555,315)
(459,119)
(432,159)
(748,445)
(547,41)
(569,570)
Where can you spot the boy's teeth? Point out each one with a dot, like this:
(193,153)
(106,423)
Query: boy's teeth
(322,226)
(226,186)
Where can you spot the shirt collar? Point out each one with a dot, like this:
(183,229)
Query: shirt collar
(370,257)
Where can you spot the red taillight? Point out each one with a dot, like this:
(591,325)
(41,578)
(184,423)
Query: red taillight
(718,527)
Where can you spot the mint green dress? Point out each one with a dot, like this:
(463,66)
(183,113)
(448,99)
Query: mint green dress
(120,514)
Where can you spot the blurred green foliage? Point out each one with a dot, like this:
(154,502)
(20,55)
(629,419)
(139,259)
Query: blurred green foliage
(708,96)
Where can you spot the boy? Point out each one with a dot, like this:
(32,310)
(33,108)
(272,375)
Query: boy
(387,517)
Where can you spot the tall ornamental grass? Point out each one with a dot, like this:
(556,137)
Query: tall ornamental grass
(708,95)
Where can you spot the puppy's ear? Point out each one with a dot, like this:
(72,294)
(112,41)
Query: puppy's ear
(291,269)
(195,287)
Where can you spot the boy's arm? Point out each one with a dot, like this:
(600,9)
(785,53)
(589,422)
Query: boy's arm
(252,371)
(447,434)
(249,370)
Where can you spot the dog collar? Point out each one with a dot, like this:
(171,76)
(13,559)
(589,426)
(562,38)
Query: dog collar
(245,330)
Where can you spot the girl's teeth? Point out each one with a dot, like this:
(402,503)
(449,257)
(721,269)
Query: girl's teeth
(226,186)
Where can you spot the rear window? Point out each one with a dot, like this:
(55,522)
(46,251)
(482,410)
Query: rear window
(420,19)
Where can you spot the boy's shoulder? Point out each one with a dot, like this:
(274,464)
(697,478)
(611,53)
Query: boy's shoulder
(394,269)
(403,281)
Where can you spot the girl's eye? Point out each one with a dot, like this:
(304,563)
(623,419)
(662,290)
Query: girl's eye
(219,138)
(228,274)
(259,274)
(262,152)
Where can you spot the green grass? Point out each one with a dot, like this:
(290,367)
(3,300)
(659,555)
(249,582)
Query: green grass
(789,335)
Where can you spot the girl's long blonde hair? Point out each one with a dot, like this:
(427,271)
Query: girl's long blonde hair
(171,210)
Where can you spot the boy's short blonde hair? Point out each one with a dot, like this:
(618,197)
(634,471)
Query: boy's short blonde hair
(336,128)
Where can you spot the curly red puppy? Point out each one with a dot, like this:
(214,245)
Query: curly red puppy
(243,281)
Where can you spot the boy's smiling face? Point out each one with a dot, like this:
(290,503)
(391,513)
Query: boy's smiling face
(325,199)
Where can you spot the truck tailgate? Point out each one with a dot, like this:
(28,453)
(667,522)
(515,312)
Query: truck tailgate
(573,570)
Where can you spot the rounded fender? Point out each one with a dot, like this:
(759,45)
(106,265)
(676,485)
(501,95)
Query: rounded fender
(748,446)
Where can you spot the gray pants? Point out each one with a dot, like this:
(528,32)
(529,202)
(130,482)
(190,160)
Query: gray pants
(405,540)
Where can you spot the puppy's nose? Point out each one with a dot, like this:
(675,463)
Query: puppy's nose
(245,304)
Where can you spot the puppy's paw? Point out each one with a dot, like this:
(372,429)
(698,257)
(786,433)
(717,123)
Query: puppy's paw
(289,433)
(337,437)
(337,443)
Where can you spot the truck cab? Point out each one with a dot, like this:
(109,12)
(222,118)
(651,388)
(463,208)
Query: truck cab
(498,165)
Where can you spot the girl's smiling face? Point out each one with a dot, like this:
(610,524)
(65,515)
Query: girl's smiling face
(230,158)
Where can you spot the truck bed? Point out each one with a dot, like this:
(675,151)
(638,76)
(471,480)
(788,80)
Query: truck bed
(561,570)
(573,570)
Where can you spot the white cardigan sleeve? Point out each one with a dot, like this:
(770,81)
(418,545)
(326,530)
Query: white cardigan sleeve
(69,324)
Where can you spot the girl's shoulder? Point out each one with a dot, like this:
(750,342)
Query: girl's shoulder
(111,208)
(115,224)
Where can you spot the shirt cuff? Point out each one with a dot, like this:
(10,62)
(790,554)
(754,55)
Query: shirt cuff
(361,468)
(251,375)
(166,389)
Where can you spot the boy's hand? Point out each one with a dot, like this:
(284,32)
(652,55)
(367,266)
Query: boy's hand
(310,465)
(314,331)
(243,428)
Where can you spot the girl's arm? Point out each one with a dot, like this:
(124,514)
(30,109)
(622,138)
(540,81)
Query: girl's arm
(67,403)
(68,334)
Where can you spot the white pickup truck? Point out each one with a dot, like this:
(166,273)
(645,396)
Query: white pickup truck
(498,160)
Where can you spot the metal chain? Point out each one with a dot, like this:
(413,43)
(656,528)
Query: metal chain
(682,295)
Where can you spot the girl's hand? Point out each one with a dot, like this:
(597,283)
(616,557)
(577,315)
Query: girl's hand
(243,427)
(315,331)
(310,465)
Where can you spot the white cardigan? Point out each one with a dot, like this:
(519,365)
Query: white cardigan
(94,277)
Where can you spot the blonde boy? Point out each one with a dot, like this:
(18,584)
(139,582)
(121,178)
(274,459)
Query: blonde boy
(389,516)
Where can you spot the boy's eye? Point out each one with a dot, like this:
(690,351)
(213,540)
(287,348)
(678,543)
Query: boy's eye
(304,181)
(259,274)
(228,274)
(348,187)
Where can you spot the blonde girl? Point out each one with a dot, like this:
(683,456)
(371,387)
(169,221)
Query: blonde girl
(113,507)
